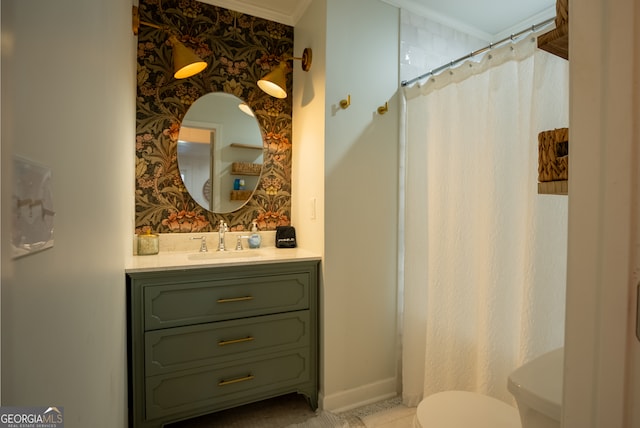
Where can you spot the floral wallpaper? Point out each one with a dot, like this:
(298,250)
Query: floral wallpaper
(239,49)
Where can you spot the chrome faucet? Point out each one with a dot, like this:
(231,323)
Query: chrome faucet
(203,243)
(221,231)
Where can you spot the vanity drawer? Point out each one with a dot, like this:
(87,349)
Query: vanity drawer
(194,346)
(205,301)
(189,390)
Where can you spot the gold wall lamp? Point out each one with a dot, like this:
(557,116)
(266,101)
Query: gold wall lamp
(244,107)
(274,83)
(185,62)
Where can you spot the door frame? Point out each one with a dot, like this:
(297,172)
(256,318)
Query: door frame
(601,351)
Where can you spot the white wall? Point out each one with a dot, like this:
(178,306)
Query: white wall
(426,44)
(360,191)
(307,179)
(68,85)
(602,354)
(307,172)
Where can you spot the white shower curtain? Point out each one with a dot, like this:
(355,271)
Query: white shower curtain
(484,254)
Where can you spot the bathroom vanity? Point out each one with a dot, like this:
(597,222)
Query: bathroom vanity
(218,333)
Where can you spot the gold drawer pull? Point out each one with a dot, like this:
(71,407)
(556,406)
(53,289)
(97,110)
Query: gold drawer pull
(231,342)
(232,381)
(235,299)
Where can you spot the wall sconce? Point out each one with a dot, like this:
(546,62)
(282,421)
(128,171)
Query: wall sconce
(244,107)
(274,83)
(185,62)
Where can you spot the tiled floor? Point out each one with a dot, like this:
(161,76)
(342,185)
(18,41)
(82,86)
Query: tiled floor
(294,410)
(397,417)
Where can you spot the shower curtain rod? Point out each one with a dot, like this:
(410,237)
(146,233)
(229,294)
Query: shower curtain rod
(490,46)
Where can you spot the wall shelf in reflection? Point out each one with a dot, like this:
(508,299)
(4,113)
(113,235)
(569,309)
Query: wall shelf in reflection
(240,195)
(246,168)
(245,146)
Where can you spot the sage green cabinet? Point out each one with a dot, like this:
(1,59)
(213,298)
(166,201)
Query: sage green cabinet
(206,339)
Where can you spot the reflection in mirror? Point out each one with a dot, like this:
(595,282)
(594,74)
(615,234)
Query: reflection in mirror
(220,152)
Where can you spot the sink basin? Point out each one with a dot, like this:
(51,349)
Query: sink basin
(213,255)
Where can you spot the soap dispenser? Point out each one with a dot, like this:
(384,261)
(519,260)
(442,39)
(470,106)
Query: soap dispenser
(254,239)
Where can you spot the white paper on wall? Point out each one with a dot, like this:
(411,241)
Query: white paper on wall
(33,211)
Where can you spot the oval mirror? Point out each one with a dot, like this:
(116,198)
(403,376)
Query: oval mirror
(220,152)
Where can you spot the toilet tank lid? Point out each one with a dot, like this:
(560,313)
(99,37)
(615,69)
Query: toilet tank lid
(538,383)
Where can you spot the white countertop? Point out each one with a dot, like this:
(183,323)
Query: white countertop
(178,260)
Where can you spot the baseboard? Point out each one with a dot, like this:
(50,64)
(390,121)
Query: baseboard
(361,396)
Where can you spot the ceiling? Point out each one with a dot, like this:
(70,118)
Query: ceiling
(487,19)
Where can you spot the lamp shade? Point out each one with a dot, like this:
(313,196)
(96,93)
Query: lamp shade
(274,83)
(244,107)
(185,62)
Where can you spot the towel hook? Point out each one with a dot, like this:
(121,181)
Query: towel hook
(383,109)
(346,103)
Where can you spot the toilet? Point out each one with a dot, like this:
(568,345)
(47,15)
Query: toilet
(536,387)
(463,409)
